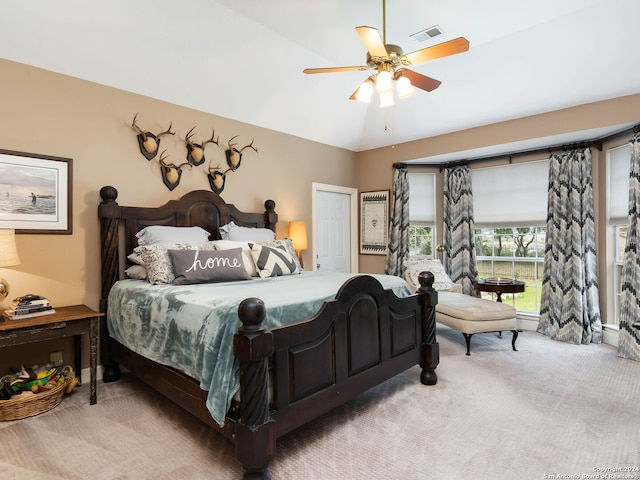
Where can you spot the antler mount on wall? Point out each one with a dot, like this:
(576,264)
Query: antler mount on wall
(195,156)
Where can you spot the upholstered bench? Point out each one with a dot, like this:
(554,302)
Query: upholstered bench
(470,315)
(464,313)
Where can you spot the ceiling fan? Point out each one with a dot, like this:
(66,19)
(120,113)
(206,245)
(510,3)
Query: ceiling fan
(390,61)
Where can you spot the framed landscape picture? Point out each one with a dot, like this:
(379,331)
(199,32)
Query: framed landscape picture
(374,222)
(35,193)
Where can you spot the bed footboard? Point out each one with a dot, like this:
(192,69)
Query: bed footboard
(363,337)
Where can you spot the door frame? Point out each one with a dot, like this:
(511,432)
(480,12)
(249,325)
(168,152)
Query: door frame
(353,212)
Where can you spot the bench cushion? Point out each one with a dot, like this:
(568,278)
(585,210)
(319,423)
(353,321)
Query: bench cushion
(466,307)
(470,315)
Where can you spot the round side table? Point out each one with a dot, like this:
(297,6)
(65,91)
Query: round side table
(499,286)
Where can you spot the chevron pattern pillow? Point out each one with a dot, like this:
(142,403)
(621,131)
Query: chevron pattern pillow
(273,261)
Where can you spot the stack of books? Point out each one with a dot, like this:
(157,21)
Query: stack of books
(28,306)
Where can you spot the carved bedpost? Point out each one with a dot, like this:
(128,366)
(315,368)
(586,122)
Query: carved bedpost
(270,215)
(255,432)
(430,348)
(109,212)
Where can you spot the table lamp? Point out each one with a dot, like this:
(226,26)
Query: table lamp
(298,236)
(8,257)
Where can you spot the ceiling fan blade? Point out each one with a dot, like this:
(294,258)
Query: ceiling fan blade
(444,49)
(335,69)
(372,40)
(420,81)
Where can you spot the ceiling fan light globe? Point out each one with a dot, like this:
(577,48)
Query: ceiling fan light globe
(364,92)
(405,89)
(386,98)
(384,81)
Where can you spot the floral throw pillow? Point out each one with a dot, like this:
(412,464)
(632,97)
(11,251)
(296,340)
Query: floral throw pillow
(441,283)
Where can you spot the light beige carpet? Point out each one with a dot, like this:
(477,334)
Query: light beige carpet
(548,409)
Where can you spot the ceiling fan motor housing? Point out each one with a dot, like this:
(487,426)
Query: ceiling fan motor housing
(395,56)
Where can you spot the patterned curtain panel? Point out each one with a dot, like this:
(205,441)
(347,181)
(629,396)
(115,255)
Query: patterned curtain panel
(398,250)
(569,308)
(459,229)
(629,337)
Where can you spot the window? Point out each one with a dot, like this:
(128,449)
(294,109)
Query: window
(510,212)
(513,252)
(421,214)
(620,232)
(619,164)
(420,241)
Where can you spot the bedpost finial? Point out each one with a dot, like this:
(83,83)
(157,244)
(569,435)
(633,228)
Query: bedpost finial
(251,312)
(270,205)
(108,193)
(426,280)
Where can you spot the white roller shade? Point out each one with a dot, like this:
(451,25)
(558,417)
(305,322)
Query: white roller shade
(422,190)
(618,200)
(511,195)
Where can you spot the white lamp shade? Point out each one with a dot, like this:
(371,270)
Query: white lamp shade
(364,92)
(384,81)
(8,251)
(405,89)
(386,98)
(298,234)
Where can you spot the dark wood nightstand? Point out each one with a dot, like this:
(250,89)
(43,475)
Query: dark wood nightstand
(67,321)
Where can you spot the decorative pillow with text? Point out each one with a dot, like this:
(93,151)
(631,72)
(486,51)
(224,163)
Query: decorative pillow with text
(156,259)
(203,266)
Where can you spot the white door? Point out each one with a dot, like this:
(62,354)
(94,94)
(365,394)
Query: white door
(334,226)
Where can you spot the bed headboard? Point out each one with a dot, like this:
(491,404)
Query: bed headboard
(203,208)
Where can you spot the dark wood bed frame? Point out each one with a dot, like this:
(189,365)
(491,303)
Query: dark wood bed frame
(362,338)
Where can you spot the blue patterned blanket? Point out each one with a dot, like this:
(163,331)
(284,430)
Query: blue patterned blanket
(191,327)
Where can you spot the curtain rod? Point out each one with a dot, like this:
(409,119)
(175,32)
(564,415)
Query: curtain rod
(597,143)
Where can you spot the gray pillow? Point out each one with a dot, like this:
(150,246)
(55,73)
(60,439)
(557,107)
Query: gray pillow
(157,262)
(203,266)
(165,234)
(231,231)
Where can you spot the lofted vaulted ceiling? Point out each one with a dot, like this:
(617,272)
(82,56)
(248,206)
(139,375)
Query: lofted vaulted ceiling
(243,59)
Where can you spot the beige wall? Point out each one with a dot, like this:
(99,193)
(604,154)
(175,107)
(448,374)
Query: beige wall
(375,171)
(48,113)
(52,114)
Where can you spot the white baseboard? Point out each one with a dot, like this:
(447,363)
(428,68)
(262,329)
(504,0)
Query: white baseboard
(609,332)
(85,375)
(610,335)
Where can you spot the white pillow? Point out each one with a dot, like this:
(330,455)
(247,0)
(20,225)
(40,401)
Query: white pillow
(231,231)
(441,283)
(136,258)
(136,271)
(165,235)
(247,259)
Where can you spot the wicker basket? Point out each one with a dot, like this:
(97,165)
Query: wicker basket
(24,405)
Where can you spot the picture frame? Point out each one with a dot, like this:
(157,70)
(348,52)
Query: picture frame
(35,193)
(374,222)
